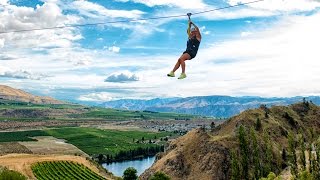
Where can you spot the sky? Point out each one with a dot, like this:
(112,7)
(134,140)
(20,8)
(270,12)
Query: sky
(268,48)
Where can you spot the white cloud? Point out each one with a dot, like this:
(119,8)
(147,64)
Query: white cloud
(15,18)
(7,57)
(189,4)
(94,10)
(2,43)
(22,74)
(122,77)
(258,9)
(178,7)
(84,62)
(203,30)
(96,97)
(246,33)
(3,2)
(114,49)
(281,5)
(108,96)
(280,61)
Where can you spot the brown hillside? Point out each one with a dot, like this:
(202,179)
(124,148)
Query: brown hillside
(201,155)
(193,156)
(9,93)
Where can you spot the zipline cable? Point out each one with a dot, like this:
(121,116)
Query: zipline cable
(123,21)
(240,4)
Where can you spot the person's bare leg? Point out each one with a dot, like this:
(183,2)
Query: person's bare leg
(183,58)
(176,66)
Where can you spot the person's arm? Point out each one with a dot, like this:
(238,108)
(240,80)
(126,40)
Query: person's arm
(198,35)
(191,23)
(189,27)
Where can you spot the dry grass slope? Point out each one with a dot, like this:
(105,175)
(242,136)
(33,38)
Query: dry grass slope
(10,93)
(206,155)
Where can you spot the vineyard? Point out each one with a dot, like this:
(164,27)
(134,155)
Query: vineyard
(96,141)
(63,170)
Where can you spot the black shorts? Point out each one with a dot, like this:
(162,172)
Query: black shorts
(191,53)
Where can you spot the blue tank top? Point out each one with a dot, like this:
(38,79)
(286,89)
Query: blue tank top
(193,45)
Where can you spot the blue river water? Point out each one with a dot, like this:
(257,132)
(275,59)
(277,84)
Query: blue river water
(117,168)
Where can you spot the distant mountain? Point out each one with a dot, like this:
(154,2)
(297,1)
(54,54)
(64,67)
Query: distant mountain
(215,106)
(9,93)
(138,104)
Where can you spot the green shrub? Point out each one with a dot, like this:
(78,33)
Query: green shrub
(6,174)
(130,174)
(160,176)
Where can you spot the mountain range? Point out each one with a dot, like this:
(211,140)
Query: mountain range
(214,106)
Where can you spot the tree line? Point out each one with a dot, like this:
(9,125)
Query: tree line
(255,160)
(131,154)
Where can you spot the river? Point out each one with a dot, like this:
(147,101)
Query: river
(117,168)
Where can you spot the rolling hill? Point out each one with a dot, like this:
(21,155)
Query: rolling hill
(208,155)
(9,93)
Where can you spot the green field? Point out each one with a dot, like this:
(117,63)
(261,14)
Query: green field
(22,105)
(90,140)
(20,135)
(115,114)
(97,141)
(63,170)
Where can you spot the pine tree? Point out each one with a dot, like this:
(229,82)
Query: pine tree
(317,163)
(243,140)
(284,158)
(292,154)
(258,124)
(284,155)
(255,154)
(302,154)
(235,169)
(212,126)
(268,155)
(311,160)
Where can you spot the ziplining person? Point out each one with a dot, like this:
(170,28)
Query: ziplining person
(194,39)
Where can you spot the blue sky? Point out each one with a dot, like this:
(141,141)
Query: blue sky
(265,49)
